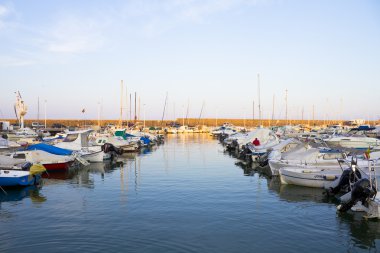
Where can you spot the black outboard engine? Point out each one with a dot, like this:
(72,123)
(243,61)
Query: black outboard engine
(361,191)
(263,160)
(343,184)
(108,147)
(245,154)
(26,166)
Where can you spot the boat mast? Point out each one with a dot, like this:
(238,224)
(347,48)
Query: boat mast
(200,115)
(135,107)
(138,114)
(258,86)
(126,105)
(187,111)
(98,114)
(273,108)
(38,111)
(130,106)
(286,106)
(163,113)
(121,105)
(45,113)
(253,112)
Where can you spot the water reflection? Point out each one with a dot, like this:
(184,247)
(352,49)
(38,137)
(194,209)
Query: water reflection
(294,193)
(18,194)
(363,233)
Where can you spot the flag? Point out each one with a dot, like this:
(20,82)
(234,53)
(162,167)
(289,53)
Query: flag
(367,153)
(83,110)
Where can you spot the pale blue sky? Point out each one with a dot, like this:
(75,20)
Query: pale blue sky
(74,54)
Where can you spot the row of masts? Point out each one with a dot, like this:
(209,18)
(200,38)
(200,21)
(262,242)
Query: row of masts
(136,116)
(137,108)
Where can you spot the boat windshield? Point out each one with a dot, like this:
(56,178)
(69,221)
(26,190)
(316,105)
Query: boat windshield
(71,138)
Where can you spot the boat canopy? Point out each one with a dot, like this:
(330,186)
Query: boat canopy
(50,149)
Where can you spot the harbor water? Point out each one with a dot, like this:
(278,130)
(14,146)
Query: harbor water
(186,195)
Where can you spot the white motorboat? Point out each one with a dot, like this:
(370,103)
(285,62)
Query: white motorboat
(226,129)
(50,161)
(26,132)
(118,142)
(316,178)
(79,141)
(306,157)
(275,152)
(355,139)
(15,172)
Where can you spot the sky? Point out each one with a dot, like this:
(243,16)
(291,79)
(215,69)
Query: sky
(70,55)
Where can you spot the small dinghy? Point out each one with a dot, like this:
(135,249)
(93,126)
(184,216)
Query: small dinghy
(316,178)
(25,175)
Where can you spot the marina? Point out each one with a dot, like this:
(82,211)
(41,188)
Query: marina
(187,195)
(225,126)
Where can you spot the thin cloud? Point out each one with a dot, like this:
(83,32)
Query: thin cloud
(4,12)
(74,35)
(15,62)
(164,16)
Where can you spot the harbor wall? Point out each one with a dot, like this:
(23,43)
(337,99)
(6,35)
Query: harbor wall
(190,122)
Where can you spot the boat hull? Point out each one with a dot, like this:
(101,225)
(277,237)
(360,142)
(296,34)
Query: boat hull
(10,178)
(51,167)
(308,178)
(94,156)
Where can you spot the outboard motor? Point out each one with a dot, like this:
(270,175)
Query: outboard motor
(361,191)
(26,166)
(349,175)
(263,159)
(108,147)
(245,154)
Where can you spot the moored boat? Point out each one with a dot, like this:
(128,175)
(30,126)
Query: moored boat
(26,175)
(316,178)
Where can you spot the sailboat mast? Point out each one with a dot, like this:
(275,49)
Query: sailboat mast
(135,107)
(38,111)
(121,104)
(163,113)
(200,115)
(138,114)
(286,106)
(187,111)
(130,106)
(253,112)
(126,104)
(258,87)
(273,107)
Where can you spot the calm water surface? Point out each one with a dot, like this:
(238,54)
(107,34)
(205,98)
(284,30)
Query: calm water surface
(184,196)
